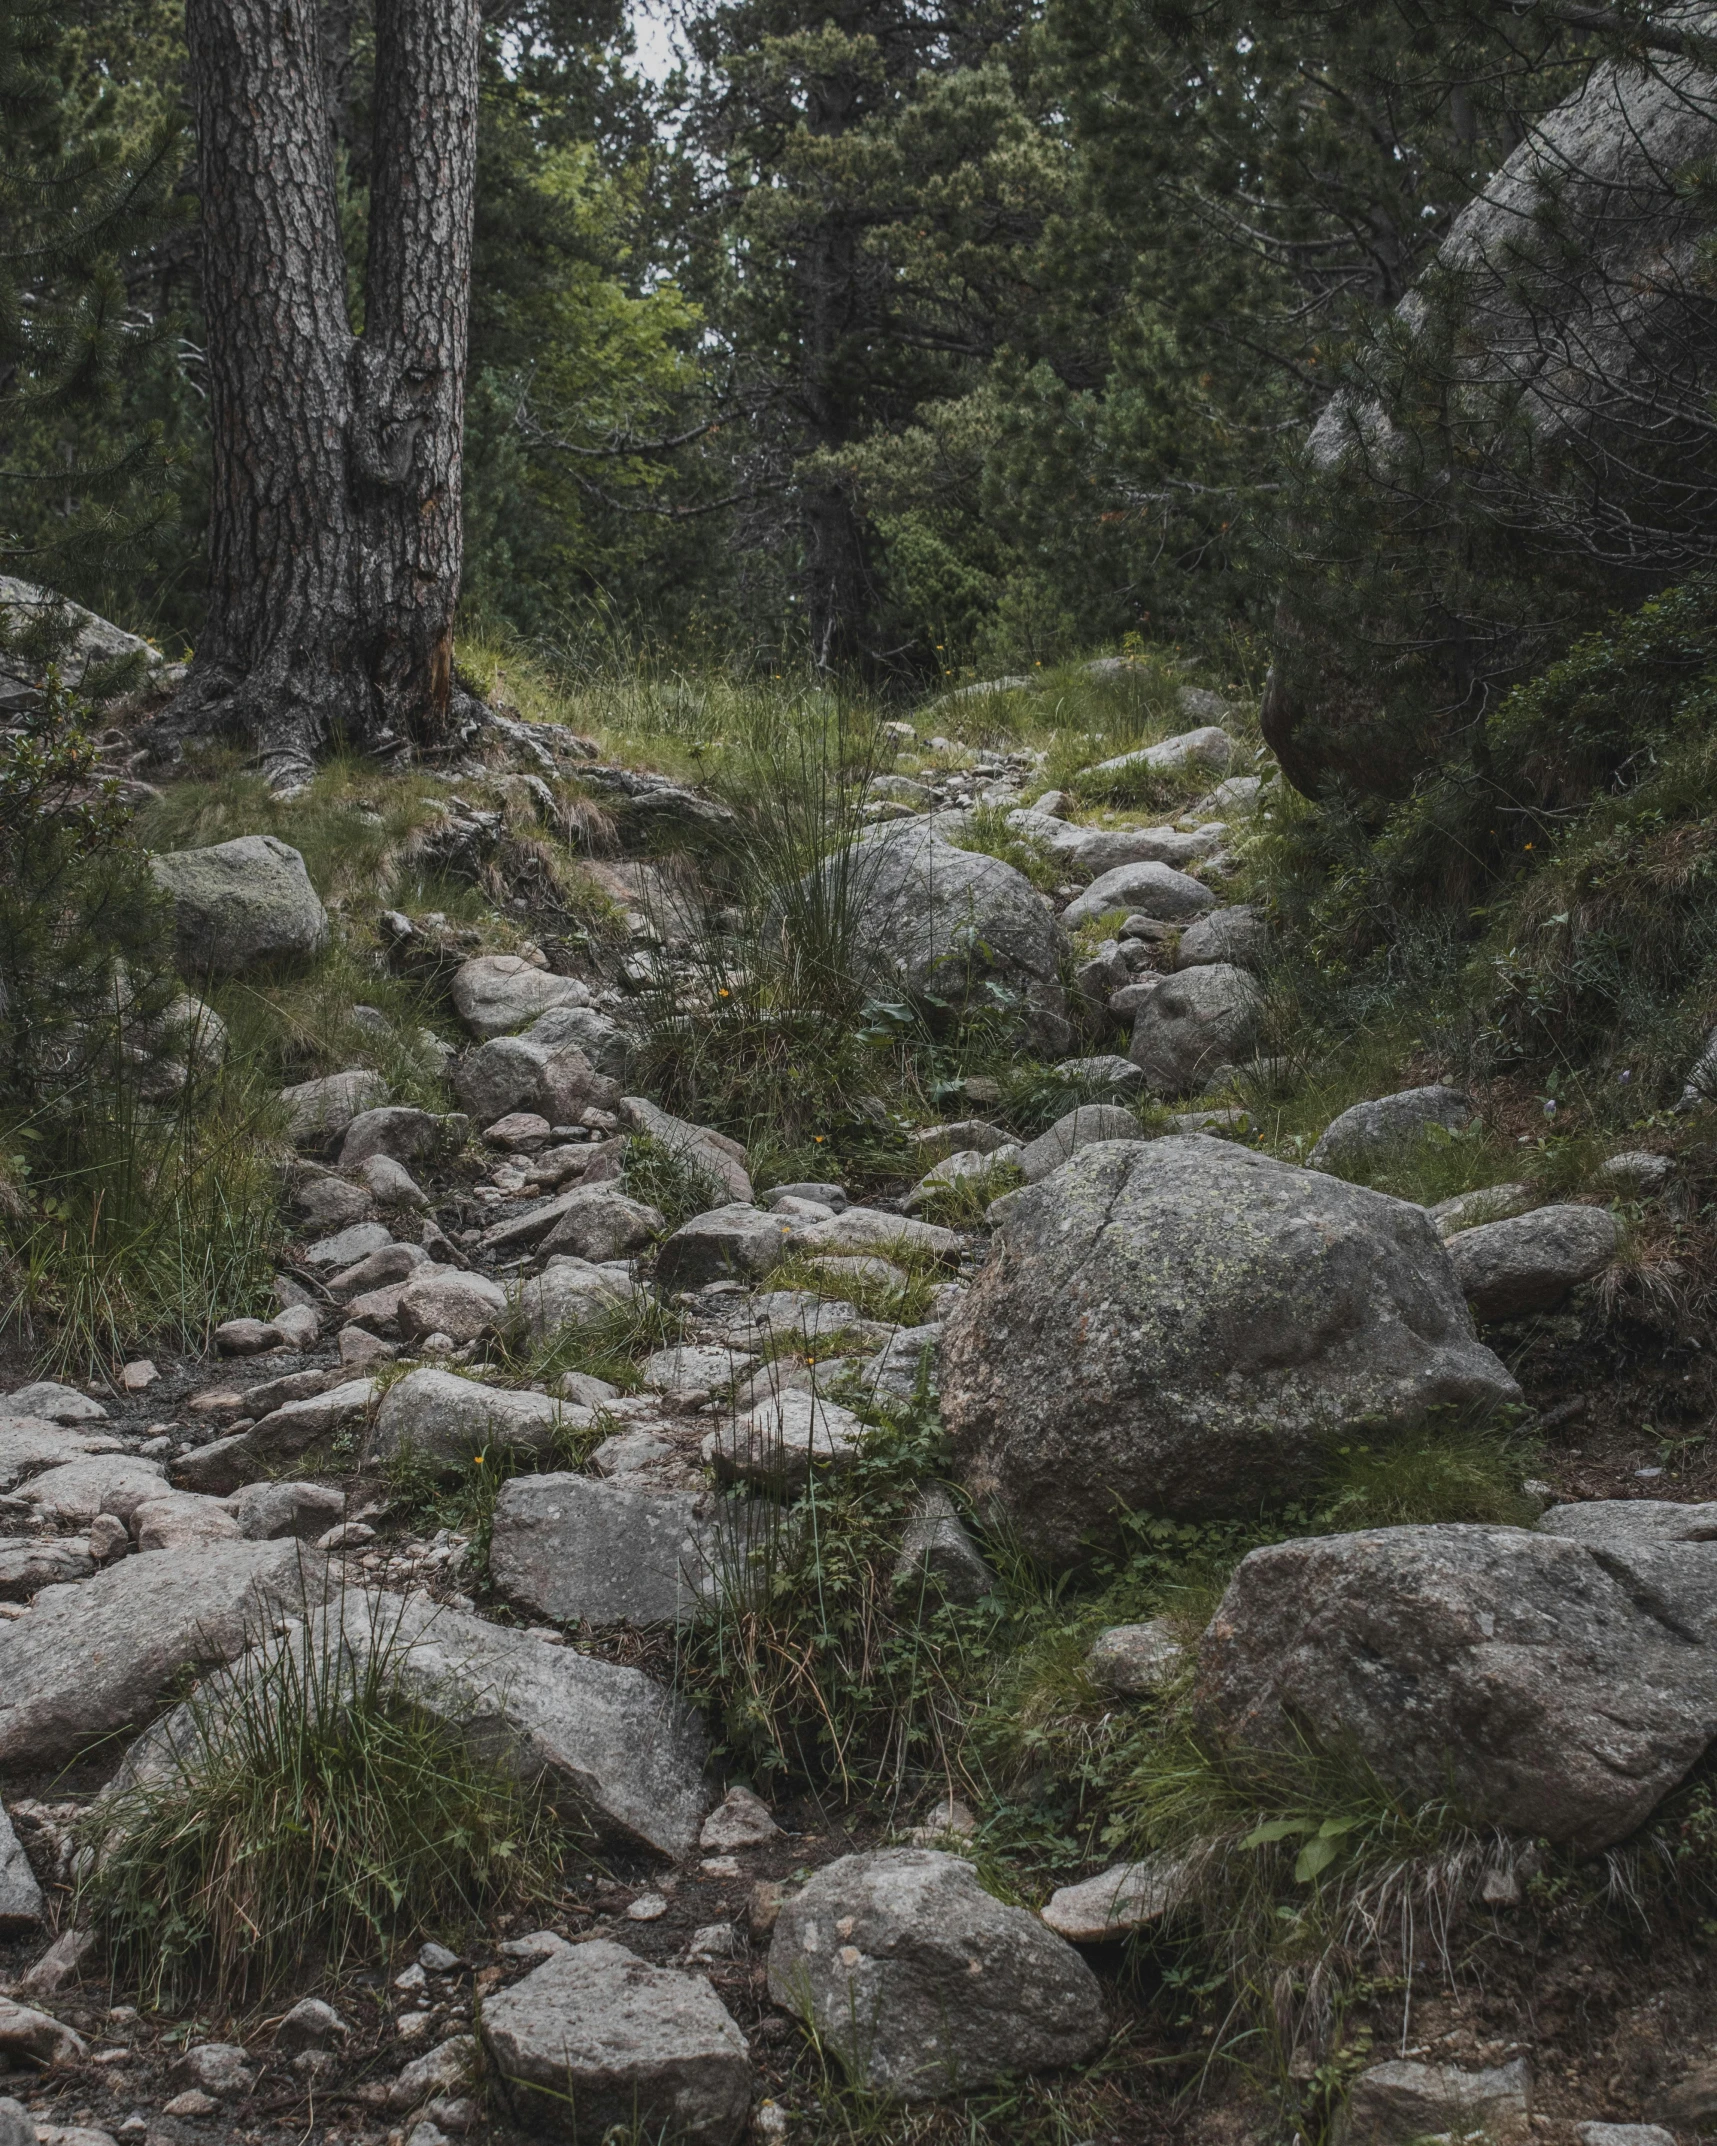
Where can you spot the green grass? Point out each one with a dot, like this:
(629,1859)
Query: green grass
(307,1820)
(671,1180)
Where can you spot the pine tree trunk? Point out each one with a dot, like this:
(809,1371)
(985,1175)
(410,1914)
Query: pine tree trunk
(273,662)
(409,419)
(335,518)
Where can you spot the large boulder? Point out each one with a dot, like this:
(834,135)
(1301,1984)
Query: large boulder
(1194,1022)
(1557,1688)
(925,1985)
(1183,1326)
(1389,1121)
(318,1111)
(627,1753)
(930,920)
(1530,1262)
(597,2043)
(1152,890)
(604,1041)
(496,993)
(511,1073)
(239,904)
(1208,747)
(96,1660)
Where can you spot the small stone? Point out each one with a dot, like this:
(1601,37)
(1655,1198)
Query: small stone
(936,1551)
(193,2102)
(520,1132)
(298,1325)
(716,1941)
(108,1537)
(346,1535)
(391,1184)
(361,1351)
(437,1960)
(648,1907)
(768,1896)
(1624,2135)
(740,1820)
(58,1965)
(1136,1659)
(1120,1900)
(311,2024)
(219,2068)
(139,1376)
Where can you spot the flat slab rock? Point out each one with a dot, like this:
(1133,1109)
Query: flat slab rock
(97,1659)
(30,1444)
(597,2037)
(439,1417)
(578,1550)
(629,1753)
(1557,1688)
(924,1984)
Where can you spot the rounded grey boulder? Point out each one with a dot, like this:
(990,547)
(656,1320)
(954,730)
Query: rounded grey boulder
(239,904)
(1181,1326)
(928,917)
(1558,1688)
(1236,935)
(1530,1262)
(1194,1022)
(925,1985)
(1389,1121)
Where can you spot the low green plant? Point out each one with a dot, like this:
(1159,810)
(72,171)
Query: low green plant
(670,1179)
(986,830)
(300,1816)
(963,1202)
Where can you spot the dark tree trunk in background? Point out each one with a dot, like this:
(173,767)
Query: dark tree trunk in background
(273,659)
(409,419)
(334,538)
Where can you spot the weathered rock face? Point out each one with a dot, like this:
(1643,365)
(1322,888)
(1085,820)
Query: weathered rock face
(1194,1022)
(21,1905)
(1087,851)
(77,1490)
(1573,280)
(1207,747)
(699,1145)
(578,1550)
(496,993)
(439,1417)
(601,1225)
(570,1292)
(98,1658)
(937,1556)
(728,1243)
(397,1130)
(1401,2102)
(922,1983)
(1530,1262)
(1181,1325)
(96,644)
(1557,1688)
(601,1038)
(321,1110)
(932,918)
(1152,890)
(445,1300)
(627,1752)
(597,2037)
(1390,1121)
(511,1073)
(239,904)
(1119,1901)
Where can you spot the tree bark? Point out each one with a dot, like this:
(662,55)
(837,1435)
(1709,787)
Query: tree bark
(409,419)
(273,660)
(335,546)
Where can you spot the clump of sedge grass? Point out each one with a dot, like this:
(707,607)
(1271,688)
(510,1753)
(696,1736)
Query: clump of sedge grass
(302,1818)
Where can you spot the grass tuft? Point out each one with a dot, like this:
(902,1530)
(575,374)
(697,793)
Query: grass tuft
(306,1819)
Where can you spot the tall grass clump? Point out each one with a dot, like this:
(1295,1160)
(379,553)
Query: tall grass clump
(299,1816)
(136,1197)
(766,1035)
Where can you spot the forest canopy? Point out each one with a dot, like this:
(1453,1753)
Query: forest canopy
(913,343)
